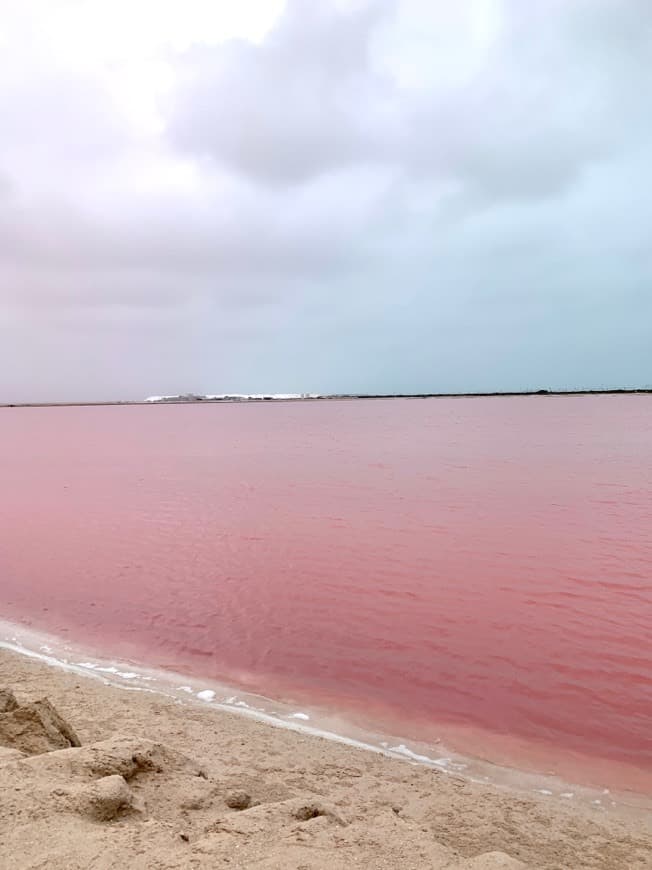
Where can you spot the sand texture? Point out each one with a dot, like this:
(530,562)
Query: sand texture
(159,784)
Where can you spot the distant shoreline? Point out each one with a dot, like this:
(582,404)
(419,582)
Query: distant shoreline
(198,400)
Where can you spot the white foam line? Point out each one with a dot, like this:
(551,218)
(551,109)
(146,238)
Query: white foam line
(16,647)
(231,704)
(422,759)
(250,712)
(261,716)
(126,675)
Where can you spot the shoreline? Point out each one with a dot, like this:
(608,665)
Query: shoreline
(222,698)
(338,397)
(370,810)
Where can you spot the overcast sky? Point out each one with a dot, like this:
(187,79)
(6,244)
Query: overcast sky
(323,196)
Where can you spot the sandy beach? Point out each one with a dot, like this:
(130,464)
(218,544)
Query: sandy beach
(160,784)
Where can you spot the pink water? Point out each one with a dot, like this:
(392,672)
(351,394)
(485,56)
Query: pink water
(470,567)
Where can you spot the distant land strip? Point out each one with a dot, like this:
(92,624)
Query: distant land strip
(230,399)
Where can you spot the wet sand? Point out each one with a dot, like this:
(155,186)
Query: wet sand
(161,784)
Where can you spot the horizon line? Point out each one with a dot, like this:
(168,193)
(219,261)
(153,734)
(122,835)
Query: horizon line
(234,398)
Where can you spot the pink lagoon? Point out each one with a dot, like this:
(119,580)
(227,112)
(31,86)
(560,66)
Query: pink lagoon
(477,571)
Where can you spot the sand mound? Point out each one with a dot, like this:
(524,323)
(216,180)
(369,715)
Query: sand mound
(9,755)
(33,728)
(278,816)
(107,798)
(8,701)
(120,755)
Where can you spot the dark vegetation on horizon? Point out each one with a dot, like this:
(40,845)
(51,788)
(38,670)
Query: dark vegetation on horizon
(191,398)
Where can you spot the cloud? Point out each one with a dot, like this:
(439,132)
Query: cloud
(289,109)
(373,195)
(518,116)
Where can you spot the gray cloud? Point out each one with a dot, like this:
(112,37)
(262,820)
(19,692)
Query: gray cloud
(389,196)
(303,103)
(554,94)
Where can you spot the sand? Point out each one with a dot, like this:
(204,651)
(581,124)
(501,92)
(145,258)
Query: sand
(161,784)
